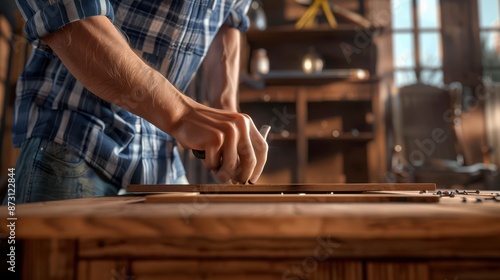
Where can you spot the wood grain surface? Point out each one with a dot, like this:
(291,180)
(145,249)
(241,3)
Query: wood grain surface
(128,217)
(286,188)
(274,247)
(277,198)
(123,237)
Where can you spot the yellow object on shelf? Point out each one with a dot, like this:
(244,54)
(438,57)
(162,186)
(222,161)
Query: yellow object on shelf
(308,17)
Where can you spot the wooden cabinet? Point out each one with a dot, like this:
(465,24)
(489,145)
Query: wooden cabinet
(323,125)
(126,238)
(250,259)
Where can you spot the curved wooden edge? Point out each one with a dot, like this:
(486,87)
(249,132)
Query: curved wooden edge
(286,188)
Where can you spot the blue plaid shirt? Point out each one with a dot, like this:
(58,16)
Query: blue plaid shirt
(173,36)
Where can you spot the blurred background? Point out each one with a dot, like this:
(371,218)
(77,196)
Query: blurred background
(354,90)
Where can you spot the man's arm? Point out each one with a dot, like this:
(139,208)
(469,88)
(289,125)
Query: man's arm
(96,54)
(220,69)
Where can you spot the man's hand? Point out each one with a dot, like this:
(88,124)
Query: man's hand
(96,54)
(234,148)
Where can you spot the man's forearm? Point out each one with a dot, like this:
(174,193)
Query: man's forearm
(98,56)
(221,69)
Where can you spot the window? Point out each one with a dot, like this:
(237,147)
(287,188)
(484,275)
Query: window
(416,37)
(489,28)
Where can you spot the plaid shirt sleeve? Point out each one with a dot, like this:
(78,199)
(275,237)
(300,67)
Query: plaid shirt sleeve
(238,16)
(45,16)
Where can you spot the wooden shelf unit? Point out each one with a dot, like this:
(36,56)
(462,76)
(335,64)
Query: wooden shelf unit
(323,124)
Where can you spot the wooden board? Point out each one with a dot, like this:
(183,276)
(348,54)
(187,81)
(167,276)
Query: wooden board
(281,188)
(448,219)
(257,198)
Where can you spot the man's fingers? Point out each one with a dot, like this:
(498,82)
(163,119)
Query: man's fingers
(247,160)
(260,148)
(229,158)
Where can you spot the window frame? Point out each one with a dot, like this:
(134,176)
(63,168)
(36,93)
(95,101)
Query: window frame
(482,30)
(416,31)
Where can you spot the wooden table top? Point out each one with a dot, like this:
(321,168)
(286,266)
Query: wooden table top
(130,217)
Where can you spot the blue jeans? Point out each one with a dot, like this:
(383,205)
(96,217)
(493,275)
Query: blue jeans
(48,171)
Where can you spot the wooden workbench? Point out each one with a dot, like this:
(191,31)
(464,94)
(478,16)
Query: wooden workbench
(125,238)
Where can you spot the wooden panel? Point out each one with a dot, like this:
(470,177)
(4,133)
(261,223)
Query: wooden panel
(277,188)
(460,27)
(465,270)
(281,162)
(200,248)
(103,270)
(302,144)
(269,94)
(286,248)
(342,220)
(91,201)
(5,33)
(378,158)
(326,163)
(461,64)
(231,269)
(339,91)
(49,259)
(347,270)
(311,198)
(396,271)
(343,91)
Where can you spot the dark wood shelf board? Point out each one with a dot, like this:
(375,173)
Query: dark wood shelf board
(299,77)
(331,74)
(258,98)
(279,136)
(344,136)
(290,34)
(342,91)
